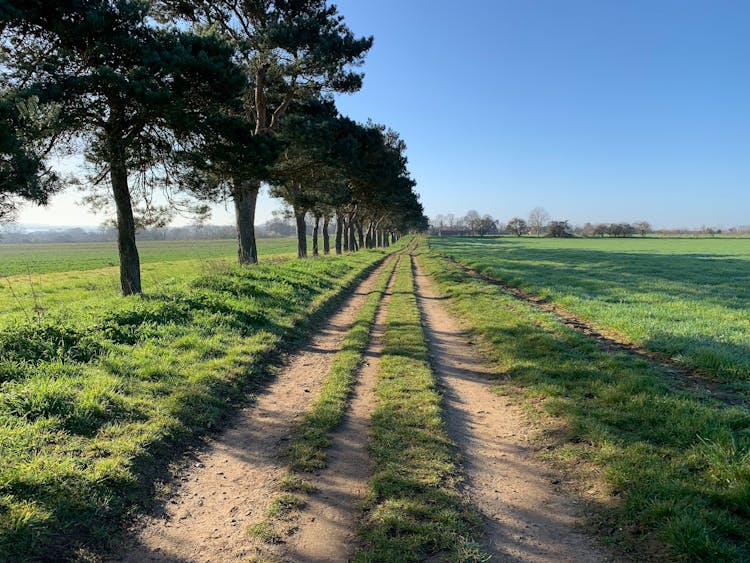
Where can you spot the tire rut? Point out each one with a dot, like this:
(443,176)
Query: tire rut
(524,517)
(232,482)
(327,526)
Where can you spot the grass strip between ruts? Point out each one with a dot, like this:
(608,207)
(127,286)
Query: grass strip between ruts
(666,469)
(307,449)
(414,510)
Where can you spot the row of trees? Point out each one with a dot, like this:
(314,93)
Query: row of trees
(538,224)
(518,227)
(616,229)
(205,100)
(470,224)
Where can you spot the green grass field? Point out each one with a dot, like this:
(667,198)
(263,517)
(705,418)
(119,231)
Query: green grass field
(71,280)
(18,259)
(688,299)
(99,392)
(666,472)
(94,387)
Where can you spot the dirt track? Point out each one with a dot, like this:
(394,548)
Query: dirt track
(233,481)
(328,525)
(524,518)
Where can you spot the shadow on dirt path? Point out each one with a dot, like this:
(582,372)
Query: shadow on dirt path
(232,482)
(328,524)
(524,517)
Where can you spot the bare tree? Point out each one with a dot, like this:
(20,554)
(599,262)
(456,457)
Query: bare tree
(642,227)
(538,217)
(472,220)
(517,226)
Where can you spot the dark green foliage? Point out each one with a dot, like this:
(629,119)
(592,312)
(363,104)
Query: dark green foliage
(127,87)
(291,52)
(23,173)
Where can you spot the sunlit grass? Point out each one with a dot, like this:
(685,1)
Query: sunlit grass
(44,258)
(671,466)
(94,390)
(72,292)
(688,299)
(415,511)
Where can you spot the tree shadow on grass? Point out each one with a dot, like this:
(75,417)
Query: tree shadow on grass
(665,293)
(76,509)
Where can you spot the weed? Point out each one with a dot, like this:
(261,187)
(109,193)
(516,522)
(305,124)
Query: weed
(265,532)
(283,504)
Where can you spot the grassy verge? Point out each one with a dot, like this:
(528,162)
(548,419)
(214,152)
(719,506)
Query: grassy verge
(91,407)
(669,470)
(307,448)
(415,510)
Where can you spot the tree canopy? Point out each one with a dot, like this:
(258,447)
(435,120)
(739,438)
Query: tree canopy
(205,100)
(23,173)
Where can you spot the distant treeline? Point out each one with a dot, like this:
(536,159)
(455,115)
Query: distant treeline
(538,223)
(15,234)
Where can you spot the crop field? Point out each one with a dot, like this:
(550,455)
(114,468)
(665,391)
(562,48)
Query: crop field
(94,387)
(23,259)
(688,299)
(78,279)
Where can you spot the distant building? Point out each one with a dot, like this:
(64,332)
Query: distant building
(454,232)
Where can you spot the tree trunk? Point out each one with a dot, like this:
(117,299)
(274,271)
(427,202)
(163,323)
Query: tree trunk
(379,238)
(299,215)
(130,263)
(386,244)
(393,238)
(352,237)
(360,236)
(326,237)
(245,195)
(339,232)
(316,227)
(345,232)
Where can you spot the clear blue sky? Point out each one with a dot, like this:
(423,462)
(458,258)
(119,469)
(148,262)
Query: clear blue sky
(597,110)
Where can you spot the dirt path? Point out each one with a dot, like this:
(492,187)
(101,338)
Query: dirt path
(525,519)
(328,524)
(234,479)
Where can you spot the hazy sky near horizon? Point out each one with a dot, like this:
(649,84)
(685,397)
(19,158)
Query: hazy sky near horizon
(596,110)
